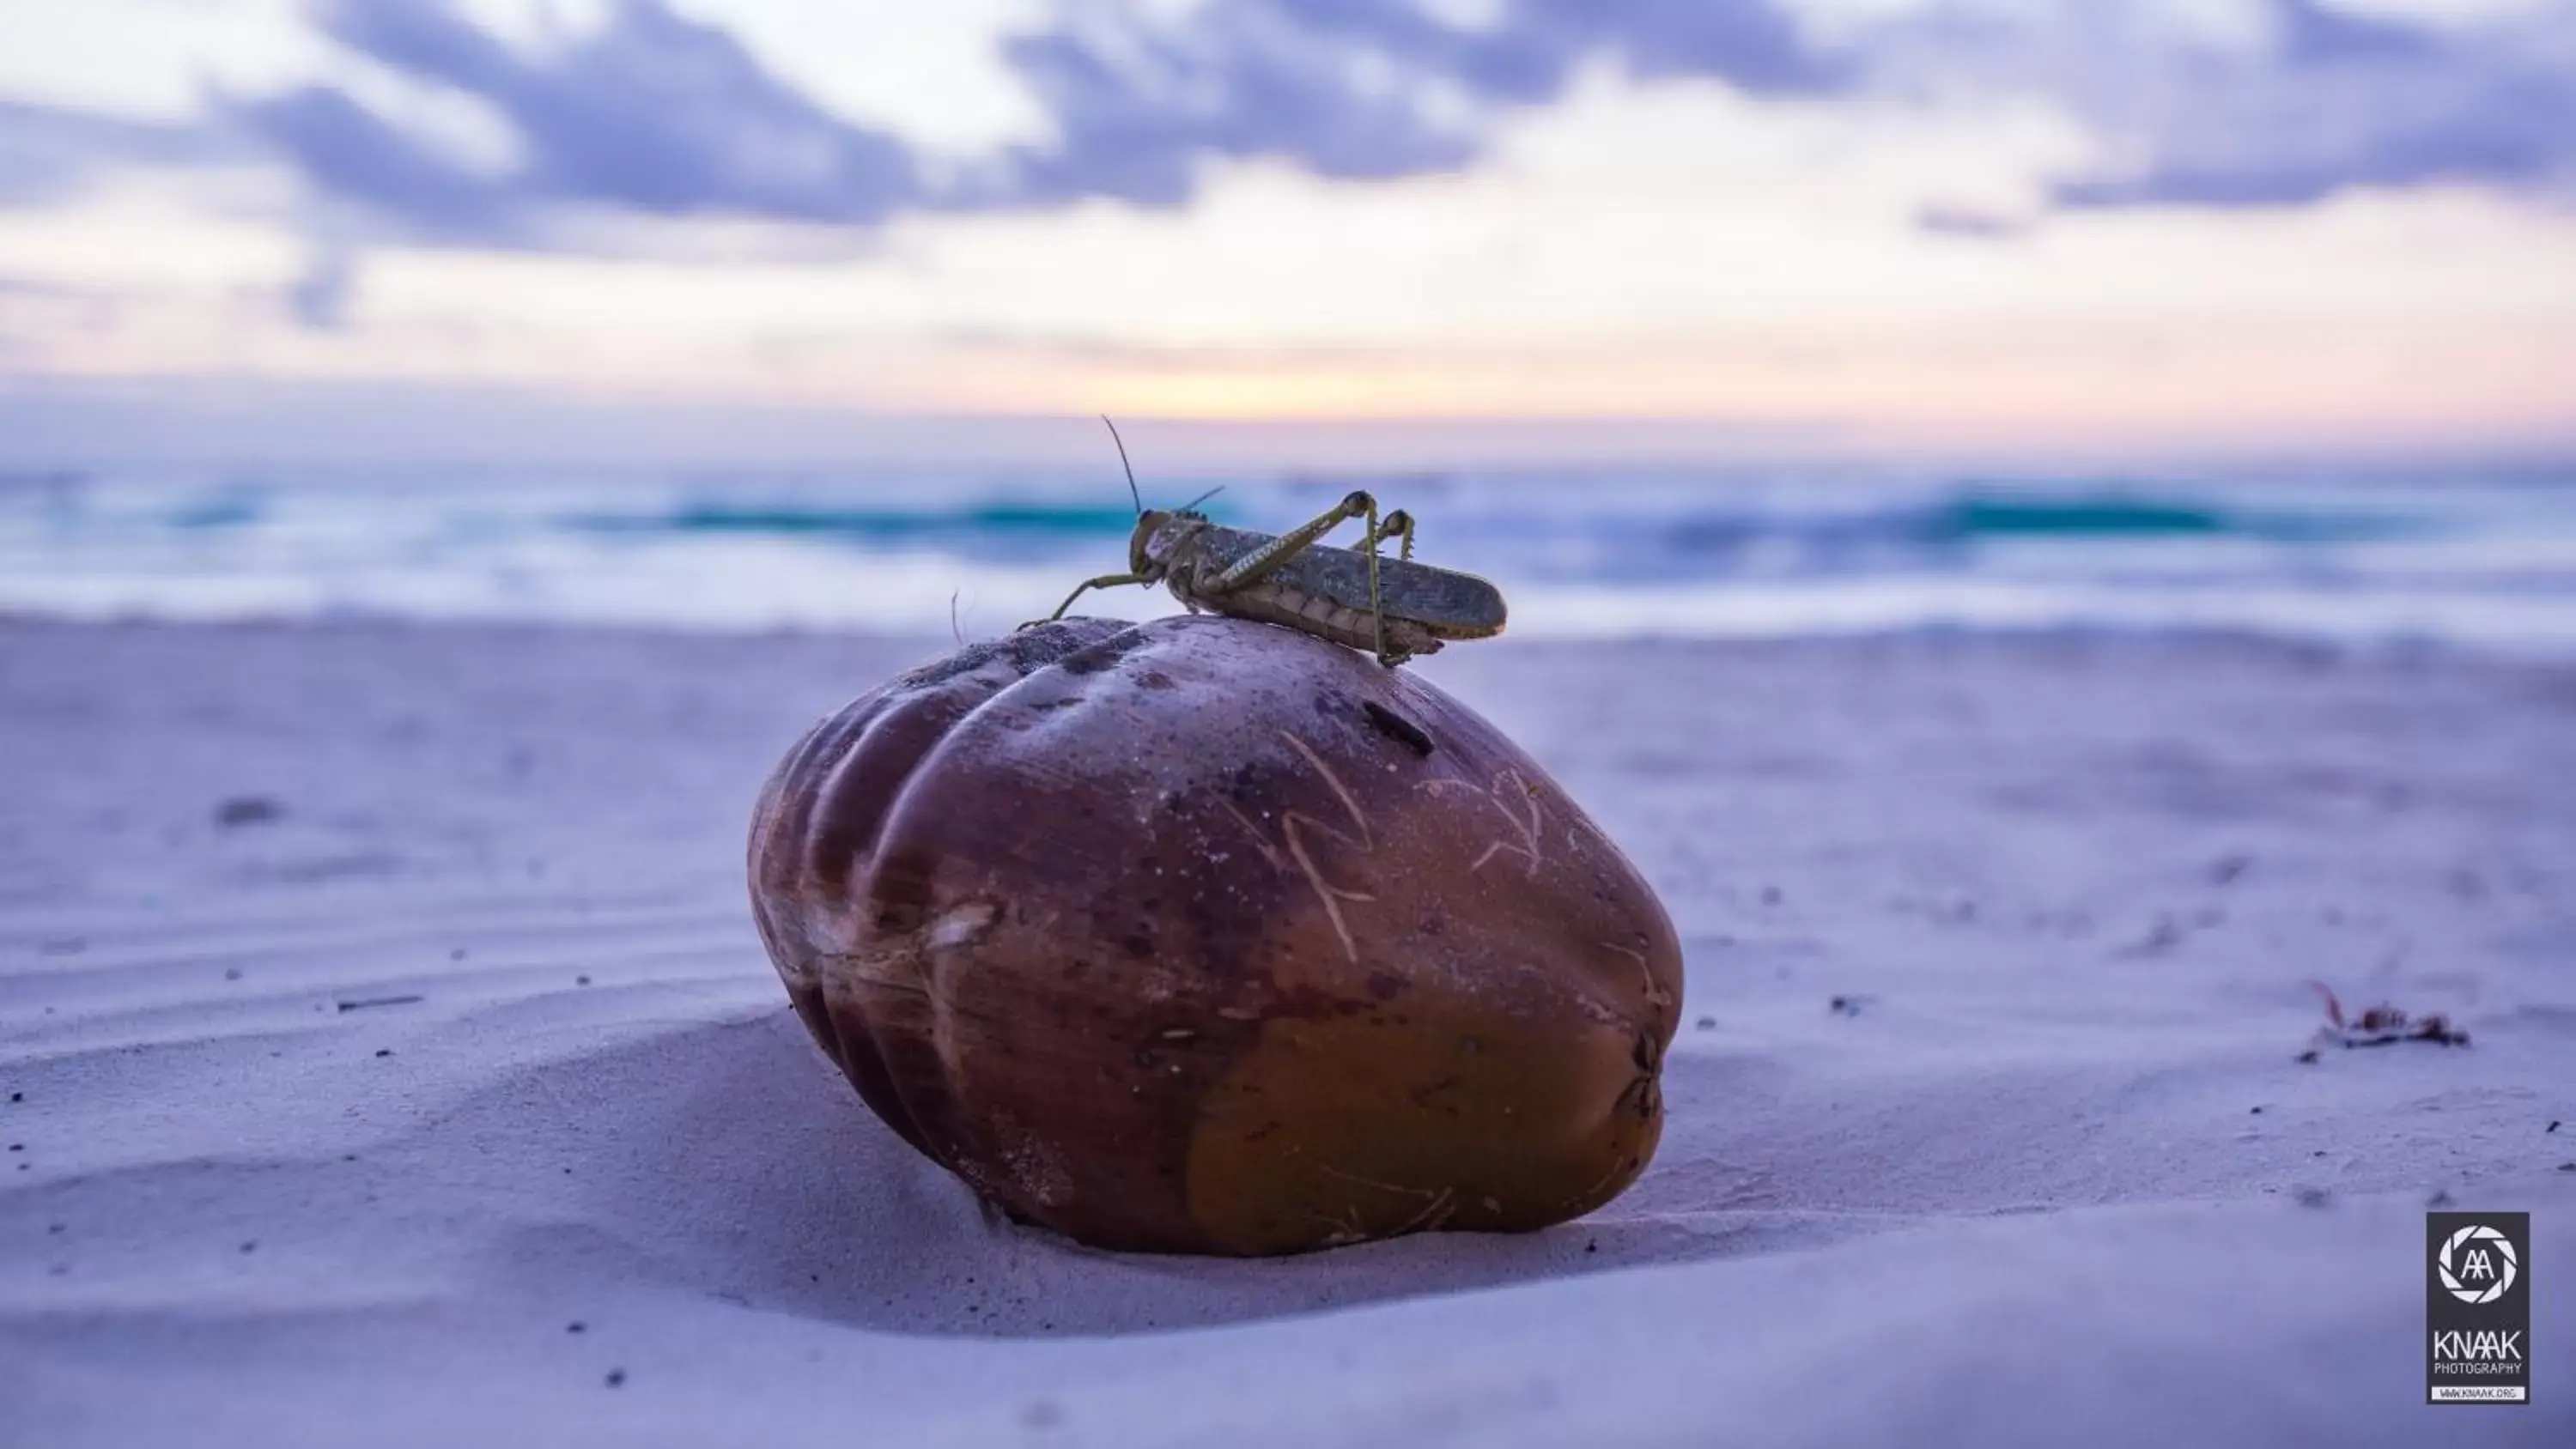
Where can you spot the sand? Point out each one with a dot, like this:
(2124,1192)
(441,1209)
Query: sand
(389,1059)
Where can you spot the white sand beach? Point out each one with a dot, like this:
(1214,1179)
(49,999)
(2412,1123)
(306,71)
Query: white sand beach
(388,1058)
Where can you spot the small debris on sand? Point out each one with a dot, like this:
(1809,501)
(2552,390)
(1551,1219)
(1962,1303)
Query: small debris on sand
(243,810)
(2381,1025)
(2164,937)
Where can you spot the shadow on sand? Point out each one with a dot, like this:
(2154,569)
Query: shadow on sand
(731,1160)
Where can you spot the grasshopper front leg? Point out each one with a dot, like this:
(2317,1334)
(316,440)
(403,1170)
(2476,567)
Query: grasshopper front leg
(1105,581)
(1257,565)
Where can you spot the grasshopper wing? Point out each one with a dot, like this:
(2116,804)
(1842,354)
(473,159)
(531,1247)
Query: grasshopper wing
(1441,599)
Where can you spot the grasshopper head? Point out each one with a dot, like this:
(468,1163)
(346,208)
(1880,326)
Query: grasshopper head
(1158,532)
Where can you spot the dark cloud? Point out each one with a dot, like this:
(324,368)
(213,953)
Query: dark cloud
(351,154)
(2313,34)
(1137,111)
(2338,102)
(1348,89)
(651,113)
(1751,45)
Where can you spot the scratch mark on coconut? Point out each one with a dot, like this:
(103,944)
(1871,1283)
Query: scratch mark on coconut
(1294,825)
(1346,1229)
(1656,995)
(1254,831)
(1439,1206)
(1592,1193)
(1331,895)
(871,969)
(1434,1215)
(1382,1186)
(1506,785)
(962,925)
(1322,767)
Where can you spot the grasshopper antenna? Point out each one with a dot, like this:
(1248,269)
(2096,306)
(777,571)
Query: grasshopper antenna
(1202,498)
(1139,498)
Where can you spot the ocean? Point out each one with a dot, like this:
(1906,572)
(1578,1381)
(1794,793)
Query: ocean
(2478,556)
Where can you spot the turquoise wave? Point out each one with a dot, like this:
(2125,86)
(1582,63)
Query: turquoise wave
(2125,515)
(1644,551)
(1010,520)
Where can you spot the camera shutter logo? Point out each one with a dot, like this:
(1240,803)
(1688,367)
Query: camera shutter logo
(2477,1264)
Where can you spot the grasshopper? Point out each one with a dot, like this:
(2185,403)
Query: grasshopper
(1391,607)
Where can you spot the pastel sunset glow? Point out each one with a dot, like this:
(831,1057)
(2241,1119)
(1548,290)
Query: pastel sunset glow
(1864,226)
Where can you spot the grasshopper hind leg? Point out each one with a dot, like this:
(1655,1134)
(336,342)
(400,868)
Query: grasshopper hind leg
(1361,505)
(1397,525)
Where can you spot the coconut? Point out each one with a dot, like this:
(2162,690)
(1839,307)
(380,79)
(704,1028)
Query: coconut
(1207,936)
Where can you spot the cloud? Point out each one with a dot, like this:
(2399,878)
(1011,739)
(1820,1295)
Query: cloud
(2317,102)
(46,151)
(2289,103)
(658,114)
(2292,102)
(651,113)
(1137,112)
(1347,89)
(320,298)
(1968,222)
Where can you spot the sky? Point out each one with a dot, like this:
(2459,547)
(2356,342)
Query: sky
(1303,230)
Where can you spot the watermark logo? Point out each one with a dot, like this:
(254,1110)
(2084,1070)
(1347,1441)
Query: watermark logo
(2477,1308)
(2482,1256)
